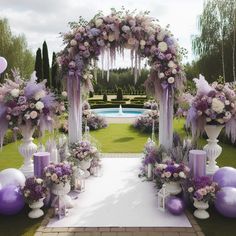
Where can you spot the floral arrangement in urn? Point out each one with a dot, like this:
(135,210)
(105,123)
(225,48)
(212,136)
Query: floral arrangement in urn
(58,173)
(202,189)
(34,189)
(83,151)
(25,103)
(213,105)
(184,102)
(170,171)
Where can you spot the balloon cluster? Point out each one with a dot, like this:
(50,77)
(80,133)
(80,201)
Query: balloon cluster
(11,198)
(3,64)
(225,202)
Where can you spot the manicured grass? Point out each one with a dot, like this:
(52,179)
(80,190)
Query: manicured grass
(120,138)
(115,138)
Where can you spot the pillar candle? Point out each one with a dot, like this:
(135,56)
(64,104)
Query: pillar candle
(197,162)
(41,160)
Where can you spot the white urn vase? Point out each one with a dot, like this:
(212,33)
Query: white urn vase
(85,165)
(201,212)
(149,171)
(27,149)
(213,150)
(36,212)
(173,187)
(61,190)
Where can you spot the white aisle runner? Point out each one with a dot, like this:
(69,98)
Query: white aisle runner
(120,199)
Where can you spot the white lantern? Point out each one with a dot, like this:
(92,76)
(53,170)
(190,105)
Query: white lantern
(162,196)
(80,181)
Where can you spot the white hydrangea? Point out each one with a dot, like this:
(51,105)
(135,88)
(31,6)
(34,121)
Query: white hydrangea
(39,105)
(161,75)
(15,92)
(111,37)
(217,105)
(142,42)
(98,22)
(73,42)
(39,95)
(64,94)
(171,64)
(162,46)
(161,35)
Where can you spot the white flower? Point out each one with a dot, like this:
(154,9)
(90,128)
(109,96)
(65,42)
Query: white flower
(39,105)
(190,190)
(221,121)
(227,102)
(98,22)
(182,175)
(162,46)
(39,181)
(85,76)
(175,175)
(228,115)
(90,76)
(81,29)
(167,174)
(73,42)
(161,75)
(111,37)
(199,113)
(161,35)
(125,28)
(232,104)
(171,80)
(64,94)
(142,42)
(208,119)
(86,44)
(40,94)
(174,71)
(171,64)
(15,92)
(217,105)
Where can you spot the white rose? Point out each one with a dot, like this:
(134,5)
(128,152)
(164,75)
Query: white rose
(161,75)
(73,42)
(142,42)
(174,71)
(39,95)
(227,102)
(182,175)
(161,35)
(15,92)
(111,37)
(64,94)
(39,181)
(85,76)
(81,29)
(90,76)
(39,105)
(125,28)
(221,121)
(217,105)
(208,119)
(171,80)
(171,64)
(86,44)
(98,22)
(162,46)
(190,190)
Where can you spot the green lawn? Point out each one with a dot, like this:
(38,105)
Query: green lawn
(115,138)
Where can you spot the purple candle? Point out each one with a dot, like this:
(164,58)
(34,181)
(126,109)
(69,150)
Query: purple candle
(197,162)
(41,160)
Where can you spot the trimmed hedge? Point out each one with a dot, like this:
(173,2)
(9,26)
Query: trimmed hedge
(124,99)
(95,100)
(118,102)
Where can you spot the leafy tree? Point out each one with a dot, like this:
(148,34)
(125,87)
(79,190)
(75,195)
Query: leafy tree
(119,95)
(54,73)
(38,65)
(46,67)
(14,49)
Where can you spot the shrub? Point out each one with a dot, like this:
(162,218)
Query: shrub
(105,97)
(119,95)
(90,94)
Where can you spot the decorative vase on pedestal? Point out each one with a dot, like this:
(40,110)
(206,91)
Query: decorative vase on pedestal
(27,149)
(61,190)
(36,211)
(212,149)
(84,165)
(201,212)
(173,187)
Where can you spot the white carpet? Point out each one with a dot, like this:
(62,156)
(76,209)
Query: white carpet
(120,199)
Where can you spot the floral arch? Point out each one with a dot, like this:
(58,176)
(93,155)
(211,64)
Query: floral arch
(106,36)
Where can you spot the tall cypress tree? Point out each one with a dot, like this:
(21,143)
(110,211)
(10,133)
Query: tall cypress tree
(54,73)
(38,67)
(46,67)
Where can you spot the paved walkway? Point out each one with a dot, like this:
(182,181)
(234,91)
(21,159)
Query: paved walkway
(195,230)
(120,120)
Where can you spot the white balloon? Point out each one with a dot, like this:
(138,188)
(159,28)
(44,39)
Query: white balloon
(12,176)
(3,64)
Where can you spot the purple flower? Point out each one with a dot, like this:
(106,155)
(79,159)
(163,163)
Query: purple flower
(22,100)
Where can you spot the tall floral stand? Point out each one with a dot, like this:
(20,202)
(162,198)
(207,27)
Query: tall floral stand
(27,149)
(212,149)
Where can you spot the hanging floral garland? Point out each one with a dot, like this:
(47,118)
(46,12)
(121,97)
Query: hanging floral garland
(106,36)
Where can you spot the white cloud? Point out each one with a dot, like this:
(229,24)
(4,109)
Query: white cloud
(43,20)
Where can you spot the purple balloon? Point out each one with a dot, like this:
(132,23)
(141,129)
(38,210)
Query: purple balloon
(3,64)
(225,177)
(175,205)
(11,200)
(225,202)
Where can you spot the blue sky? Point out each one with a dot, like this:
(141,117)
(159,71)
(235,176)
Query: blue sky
(44,19)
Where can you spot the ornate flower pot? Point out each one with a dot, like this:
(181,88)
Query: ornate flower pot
(84,165)
(61,190)
(173,187)
(36,211)
(201,212)
(212,149)
(27,149)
